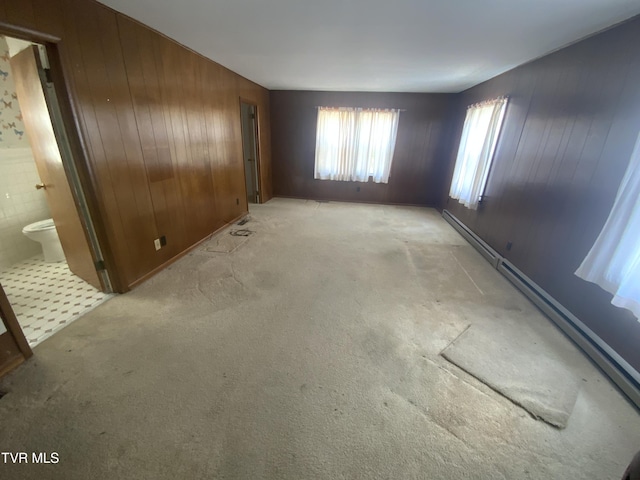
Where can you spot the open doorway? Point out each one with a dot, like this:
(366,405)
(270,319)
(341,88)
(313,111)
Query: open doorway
(51,264)
(248,117)
(14,348)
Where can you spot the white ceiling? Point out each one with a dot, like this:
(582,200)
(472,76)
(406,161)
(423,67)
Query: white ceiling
(375,45)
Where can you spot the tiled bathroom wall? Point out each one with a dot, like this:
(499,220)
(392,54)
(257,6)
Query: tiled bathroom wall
(20,205)
(12,133)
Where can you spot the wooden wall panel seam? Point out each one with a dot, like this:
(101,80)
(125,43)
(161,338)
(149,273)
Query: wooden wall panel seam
(194,146)
(135,114)
(558,169)
(102,173)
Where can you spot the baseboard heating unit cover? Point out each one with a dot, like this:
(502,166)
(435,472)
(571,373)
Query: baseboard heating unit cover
(612,364)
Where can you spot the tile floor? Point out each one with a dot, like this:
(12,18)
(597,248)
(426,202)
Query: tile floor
(46,297)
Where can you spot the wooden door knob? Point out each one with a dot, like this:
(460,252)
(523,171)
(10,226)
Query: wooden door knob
(40,186)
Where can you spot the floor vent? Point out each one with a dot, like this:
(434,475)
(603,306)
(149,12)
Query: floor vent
(612,364)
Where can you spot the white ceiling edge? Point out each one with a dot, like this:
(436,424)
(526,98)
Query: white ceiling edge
(435,46)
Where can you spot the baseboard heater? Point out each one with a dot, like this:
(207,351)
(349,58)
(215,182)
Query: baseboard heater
(485,250)
(619,371)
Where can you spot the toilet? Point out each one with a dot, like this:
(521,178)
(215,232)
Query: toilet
(45,233)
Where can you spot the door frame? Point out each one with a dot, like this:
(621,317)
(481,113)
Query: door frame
(256,134)
(8,317)
(80,167)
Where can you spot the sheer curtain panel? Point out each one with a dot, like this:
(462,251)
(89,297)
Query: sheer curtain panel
(353,144)
(477,144)
(614,260)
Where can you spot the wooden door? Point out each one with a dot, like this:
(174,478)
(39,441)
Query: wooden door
(254,160)
(37,123)
(249,149)
(14,348)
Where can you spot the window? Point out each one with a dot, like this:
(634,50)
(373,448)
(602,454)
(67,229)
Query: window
(614,260)
(353,144)
(477,144)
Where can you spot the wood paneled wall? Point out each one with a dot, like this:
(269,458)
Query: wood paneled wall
(422,144)
(567,138)
(160,126)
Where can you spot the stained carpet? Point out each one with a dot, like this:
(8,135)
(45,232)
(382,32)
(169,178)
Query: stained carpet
(523,366)
(311,352)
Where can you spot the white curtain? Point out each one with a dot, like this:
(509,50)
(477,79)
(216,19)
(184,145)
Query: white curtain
(614,260)
(353,144)
(477,144)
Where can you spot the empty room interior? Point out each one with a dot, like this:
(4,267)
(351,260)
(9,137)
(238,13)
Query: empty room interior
(320,240)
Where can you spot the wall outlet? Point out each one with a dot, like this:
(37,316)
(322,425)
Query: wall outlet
(163,241)
(156,243)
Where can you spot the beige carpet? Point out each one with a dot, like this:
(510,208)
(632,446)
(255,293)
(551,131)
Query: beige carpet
(529,369)
(311,352)
(228,240)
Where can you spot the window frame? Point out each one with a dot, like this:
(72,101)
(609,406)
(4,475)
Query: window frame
(471,156)
(361,144)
